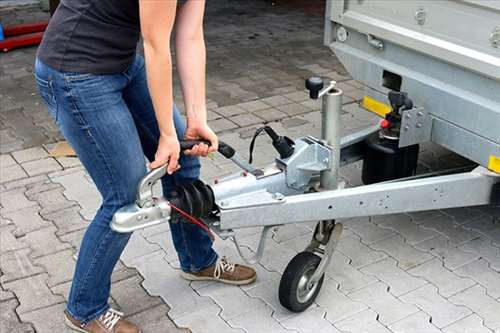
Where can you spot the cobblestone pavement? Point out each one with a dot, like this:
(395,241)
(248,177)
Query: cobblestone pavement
(434,271)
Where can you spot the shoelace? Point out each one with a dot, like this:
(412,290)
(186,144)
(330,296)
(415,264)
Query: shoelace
(223,266)
(110,318)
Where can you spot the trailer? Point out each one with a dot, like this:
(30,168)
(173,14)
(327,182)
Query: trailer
(432,73)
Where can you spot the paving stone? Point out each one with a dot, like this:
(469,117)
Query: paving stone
(484,248)
(487,226)
(293,122)
(15,200)
(17,265)
(137,247)
(30,154)
(6,160)
(442,311)
(276,101)
(486,307)
(73,238)
(232,300)
(293,109)
(11,146)
(446,282)
(416,323)
(425,215)
(480,272)
(166,243)
(47,320)
(131,296)
(472,323)
(9,322)
(462,215)
(297,96)
(349,277)
(68,162)
(338,306)
(78,188)
(268,292)
(360,254)
(406,255)
(257,321)
(59,266)
(389,308)
(67,220)
(44,242)
(162,228)
(271,114)
(398,280)
(122,272)
(33,293)
(221,125)
(27,220)
(160,279)
(362,322)
(7,240)
(21,183)
(291,231)
(253,106)
(155,320)
(310,321)
(403,225)
(11,173)
(52,201)
(5,295)
(247,119)
(451,256)
(37,167)
(231,110)
(368,232)
(444,225)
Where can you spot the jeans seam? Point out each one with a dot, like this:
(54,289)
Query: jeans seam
(95,255)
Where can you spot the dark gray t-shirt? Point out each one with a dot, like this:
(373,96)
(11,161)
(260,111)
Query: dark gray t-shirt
(92,36)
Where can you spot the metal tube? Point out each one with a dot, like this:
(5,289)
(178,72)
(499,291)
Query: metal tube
(330,132)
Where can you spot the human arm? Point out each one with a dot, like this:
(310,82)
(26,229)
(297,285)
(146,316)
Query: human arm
(157,19)
(191,64)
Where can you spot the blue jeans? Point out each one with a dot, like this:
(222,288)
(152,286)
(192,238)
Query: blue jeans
(110,122)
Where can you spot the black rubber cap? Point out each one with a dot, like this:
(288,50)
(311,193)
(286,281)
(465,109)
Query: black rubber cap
(314,84)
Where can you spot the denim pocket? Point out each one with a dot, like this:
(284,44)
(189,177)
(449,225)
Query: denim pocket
(46,91)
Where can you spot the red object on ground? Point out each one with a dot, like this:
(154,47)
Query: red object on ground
(22,35)
(385,124)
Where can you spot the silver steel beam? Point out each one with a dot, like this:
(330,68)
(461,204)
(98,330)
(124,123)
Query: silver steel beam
(459,190)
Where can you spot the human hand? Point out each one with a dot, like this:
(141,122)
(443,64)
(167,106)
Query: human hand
(201,132)
(167,152)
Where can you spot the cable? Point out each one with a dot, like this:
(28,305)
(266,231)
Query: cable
(252,143)
(193,220)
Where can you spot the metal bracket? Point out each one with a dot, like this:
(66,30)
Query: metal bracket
(311,157)
(416,127)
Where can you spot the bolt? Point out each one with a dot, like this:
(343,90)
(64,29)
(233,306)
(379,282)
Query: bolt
(407,128)
(147,204)
(419,125)
(420,113)
(420,16)
(139,217)
(326,160)
(408,116)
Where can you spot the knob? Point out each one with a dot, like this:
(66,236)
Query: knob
(314,84)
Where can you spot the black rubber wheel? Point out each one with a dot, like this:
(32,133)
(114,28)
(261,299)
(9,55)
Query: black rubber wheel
(295,293)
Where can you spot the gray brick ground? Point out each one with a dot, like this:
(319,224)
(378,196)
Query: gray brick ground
(451,253)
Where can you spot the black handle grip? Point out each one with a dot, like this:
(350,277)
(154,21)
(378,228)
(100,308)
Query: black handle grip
(189,144)
(226,150)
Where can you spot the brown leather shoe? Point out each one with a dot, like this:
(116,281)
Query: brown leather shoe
(225,272)
(110,322)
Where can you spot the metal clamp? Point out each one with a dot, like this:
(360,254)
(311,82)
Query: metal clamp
(416,127)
